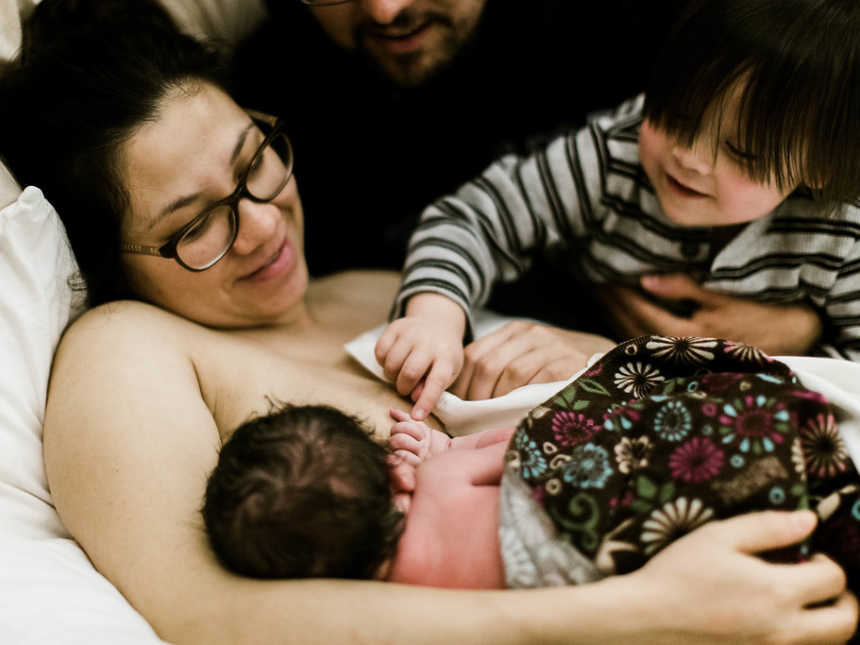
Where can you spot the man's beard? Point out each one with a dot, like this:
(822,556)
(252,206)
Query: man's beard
(411,68)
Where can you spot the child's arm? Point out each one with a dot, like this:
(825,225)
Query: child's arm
(426,347)
(493,227)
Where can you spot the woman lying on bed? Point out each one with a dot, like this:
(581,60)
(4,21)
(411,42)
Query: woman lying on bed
(125,127)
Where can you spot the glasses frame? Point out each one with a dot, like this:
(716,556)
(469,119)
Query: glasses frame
(168,250)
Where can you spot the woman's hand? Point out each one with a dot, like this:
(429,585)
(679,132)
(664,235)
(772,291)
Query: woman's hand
(520,353)
(709,586)
(776,329)
(422,353)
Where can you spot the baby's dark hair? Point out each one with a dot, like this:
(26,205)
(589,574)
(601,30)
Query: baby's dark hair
(799,62)
(302,492)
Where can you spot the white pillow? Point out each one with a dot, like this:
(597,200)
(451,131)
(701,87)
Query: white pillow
(226,20)
(49,590)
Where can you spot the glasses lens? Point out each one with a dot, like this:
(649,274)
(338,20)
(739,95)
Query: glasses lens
(270,169)
(208,239)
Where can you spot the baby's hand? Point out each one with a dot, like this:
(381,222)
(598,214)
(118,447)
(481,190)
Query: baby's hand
(413,441)
(423,350)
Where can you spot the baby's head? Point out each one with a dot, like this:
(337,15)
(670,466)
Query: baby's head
(751,101)
(302,492)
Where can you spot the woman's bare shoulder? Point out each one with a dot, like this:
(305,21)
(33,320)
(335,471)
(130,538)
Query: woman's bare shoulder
(124,317)
(124,332)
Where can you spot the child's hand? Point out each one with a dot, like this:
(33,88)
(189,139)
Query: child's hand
(413,441)
(425,347)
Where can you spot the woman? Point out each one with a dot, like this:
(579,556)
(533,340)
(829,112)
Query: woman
(126,129)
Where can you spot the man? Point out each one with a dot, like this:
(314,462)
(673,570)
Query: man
(392,103)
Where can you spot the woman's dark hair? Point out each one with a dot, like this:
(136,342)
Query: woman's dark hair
(799,64)
(302,492)
(89,73)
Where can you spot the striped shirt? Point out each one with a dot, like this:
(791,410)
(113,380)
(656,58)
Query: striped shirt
(586,198)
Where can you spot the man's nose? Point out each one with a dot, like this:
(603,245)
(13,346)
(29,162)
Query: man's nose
(384,12)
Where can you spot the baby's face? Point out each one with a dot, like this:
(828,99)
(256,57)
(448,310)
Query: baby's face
(706,184)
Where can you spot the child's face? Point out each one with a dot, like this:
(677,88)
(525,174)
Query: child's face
(705,185)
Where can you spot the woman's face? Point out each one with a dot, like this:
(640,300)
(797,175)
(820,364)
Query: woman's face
(175,167)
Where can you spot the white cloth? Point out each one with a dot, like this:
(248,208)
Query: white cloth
(838,380)
(465,417)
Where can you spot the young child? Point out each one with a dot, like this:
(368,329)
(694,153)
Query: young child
(658,437)
(738,167)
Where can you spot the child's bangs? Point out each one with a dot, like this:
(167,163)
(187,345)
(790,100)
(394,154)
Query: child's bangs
(799,97)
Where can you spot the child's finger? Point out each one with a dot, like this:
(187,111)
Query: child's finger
(414,368)
(437,381)
(416,393)
(395,359)
(383,344)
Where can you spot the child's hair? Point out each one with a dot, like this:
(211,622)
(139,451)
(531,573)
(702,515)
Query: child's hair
(798,62)
(302,492)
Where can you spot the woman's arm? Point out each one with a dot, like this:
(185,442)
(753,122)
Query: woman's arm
(129,442)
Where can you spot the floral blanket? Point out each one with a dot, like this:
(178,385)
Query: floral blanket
(658,437)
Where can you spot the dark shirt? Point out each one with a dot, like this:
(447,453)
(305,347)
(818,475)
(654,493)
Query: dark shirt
(370,155)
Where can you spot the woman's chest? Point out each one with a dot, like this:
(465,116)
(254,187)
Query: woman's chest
(244,379)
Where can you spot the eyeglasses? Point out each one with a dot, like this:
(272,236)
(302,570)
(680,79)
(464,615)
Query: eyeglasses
(323,3)
(208,237)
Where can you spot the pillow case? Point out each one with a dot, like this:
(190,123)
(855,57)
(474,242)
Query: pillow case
(45,573)
(49,590)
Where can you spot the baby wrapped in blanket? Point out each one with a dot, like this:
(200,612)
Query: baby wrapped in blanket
(655,439)
(658,437)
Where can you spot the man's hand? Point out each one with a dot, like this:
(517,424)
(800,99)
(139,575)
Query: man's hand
(520,353)
(776,329)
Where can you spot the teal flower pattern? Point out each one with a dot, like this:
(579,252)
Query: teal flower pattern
(532,462)
(589,467)
(673,421)
(754,423)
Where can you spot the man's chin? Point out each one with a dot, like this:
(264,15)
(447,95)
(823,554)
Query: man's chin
(408,70)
